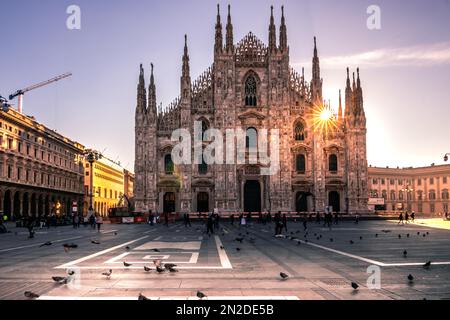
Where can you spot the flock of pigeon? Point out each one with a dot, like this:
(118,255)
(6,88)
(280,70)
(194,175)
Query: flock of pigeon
(161,267)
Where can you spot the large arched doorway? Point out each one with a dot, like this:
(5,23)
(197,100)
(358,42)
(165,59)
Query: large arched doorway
(33,211)
(202,202)
(334,200)
(252,196)
(169,202)
(7,203)
(17,205)
(25,205)
(301,202)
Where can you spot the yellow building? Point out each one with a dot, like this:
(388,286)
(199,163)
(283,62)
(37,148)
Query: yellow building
(107,179)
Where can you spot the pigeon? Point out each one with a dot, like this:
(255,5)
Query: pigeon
(173,270)
(222,247)
(147,269)
(159,269)
(71,272)
(239,239)
(48,243)
(283,275)
(376,235)
(318,238)
(115,233)
(126,264)
(360,238)
(155,250)
(68,246)
(60,280)
(405,253)
(428,233)
(95,242)
(127,247)
(424,235)
(238,249)
(168,266)
(351,242)
(142,297)
(31,295)
(407,235)
(399,236)
(331,240)
(427,265)
(410,277)
(107,273)
(418,233)
(355,286)
(201,295)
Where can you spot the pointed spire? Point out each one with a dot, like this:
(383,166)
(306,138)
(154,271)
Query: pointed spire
(283,32)
(316,63)
(340,106)
(358,81)
(353,84)
(348,78)
(152,93)
(315,48)
(229,36)
(185,72)
(141,92)
(272,32)
(218,45)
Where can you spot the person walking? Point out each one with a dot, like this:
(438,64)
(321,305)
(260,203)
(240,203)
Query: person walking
(305,224)
(99,221)
(210,224)
(242,221)
(400,218)
(216,220)
(318,217)
(336,218)
(30,226)
(232,219)
(268,217)
(187,220)
(74,221)
(277,220)
(413,216)
(249,218)
(284,221)
(406,217)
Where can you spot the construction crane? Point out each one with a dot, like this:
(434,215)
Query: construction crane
(21,92)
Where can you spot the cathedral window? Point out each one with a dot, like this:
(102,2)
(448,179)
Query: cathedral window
(251,139)
(333,163)
(300,163)
(250,91)
(392,195)
(168,164)
(203,167)
(299,132)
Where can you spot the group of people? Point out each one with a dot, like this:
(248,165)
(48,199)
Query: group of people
(406,218)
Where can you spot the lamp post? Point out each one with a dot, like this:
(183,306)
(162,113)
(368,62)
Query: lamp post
(407,190)
(91,156)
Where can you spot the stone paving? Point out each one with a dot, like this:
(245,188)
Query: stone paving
(321,264)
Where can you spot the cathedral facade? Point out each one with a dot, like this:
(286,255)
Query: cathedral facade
(250,85)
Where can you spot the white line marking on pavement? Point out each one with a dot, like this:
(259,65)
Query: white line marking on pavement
(66,265)
(157,238)
(225,262)
(170,298)
(375,262)
(106,232)
(38,244)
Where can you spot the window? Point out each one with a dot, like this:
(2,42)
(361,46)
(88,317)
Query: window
(444,180)
(431,180)
(19,147)
(203,167)
(10,143)
(420,195)
(299,132)
(168,164)
(432,195)
(333,163)
(250,91)
(392,195)
(300,164)
(384,194)
(445,194)
(392,182)
(251,139)
(374,181)
(419,182)
(400,195)
(383,181)
(9,171)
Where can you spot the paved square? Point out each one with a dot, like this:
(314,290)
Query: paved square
(321,263)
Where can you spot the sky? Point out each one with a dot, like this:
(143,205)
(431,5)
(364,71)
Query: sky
(404,65)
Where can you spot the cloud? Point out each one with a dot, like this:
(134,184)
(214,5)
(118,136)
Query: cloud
(419,56)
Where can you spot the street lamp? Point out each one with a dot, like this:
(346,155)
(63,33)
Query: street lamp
(407,191)
(91,156)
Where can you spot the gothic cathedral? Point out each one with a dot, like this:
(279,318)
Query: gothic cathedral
(251,86)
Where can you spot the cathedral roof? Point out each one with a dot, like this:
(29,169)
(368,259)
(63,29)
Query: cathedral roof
(251,50)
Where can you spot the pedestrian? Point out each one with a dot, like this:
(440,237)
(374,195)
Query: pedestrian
(242,220)
(284,221)
(216,220)
(210,224)
(151,217)
(187,220)
(74,221)
(317,217)
(92,221)
(406,217)
(305,224)
(249,218)
(99,221)
(400,218)
(268,217)
(166,219)
(232,219)
(277,220)
(413,216)
(30,226)
(336,218)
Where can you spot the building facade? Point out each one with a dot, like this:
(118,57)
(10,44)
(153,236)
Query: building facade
(41,172)
(108,185)
(251,86)
(422,190)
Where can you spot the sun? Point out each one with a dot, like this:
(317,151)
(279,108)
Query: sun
(323,119)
